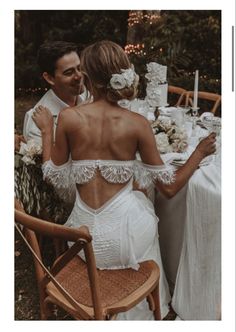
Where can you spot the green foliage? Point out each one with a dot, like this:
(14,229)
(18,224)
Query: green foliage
(184,40)
(82,27)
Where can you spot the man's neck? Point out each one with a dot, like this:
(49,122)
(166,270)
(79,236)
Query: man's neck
(69,100)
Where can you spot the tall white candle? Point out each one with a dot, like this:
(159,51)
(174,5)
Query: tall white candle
(195,90)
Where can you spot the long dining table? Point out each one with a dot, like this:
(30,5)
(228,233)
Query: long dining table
(190,242)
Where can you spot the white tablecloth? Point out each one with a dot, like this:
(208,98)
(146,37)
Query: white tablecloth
(190,241)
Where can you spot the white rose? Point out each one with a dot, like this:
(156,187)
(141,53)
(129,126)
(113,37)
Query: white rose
(163,143)
(153,67)
(23,148)
(150,76)
(183,146)
(117,82)
(179,146)
(153,95)
(156,72)
(129,76)
(33,148)
(28,160)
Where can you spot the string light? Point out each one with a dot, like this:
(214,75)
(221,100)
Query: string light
(138,16)
(31,90)
(137,49)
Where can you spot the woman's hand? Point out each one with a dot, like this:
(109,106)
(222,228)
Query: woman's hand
(207,146)
(43,119)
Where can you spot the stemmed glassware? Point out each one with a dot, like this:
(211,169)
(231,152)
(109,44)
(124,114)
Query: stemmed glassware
(183,109)
(207,122)
(213,124)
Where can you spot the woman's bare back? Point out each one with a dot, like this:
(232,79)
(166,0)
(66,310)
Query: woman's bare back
(100,131)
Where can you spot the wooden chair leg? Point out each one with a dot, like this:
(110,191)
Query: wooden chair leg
(151,303)
(46,309)
(156,299)
(59,247)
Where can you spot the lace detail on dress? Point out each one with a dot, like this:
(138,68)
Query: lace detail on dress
(83,174)
(113,171)
(116,174)
(58,176)
(61,179)
(149,174)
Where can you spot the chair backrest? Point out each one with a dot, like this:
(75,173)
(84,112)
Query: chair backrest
(180,92)
(82,241)
(208,96)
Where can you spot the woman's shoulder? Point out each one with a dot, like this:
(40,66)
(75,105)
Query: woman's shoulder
(138,119)
(70,112)
(71,116)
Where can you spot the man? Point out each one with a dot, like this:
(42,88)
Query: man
(60,67)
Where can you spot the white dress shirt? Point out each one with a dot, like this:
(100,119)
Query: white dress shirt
(54,104)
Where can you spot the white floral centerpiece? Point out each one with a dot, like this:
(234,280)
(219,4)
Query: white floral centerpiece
(31,152)
(169,137)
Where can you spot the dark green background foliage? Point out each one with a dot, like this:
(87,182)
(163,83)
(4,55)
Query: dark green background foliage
(189,39)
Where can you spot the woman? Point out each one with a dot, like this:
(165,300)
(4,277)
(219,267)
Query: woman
(95,147)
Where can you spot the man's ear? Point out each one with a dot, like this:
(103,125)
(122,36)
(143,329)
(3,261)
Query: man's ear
(48,78)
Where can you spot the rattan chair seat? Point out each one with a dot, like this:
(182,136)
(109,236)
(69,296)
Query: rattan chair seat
(78,287)
(114,286)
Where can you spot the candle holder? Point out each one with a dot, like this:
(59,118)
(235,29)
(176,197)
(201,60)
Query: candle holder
(195,115)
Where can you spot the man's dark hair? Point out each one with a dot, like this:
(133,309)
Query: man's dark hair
(50,52)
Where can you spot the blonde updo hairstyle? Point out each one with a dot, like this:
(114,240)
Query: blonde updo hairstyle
(98,62)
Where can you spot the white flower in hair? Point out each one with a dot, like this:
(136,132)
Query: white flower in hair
(117,81)
(123,80)
(129,76)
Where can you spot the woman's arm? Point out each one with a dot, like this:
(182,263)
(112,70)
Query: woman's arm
(150,155)
(57,151)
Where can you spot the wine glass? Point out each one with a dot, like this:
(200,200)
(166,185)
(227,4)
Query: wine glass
(207,121)
(185,110)
(216,125)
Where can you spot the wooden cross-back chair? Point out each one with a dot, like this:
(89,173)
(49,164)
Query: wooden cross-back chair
(180,92)
(208,96)
(77,286)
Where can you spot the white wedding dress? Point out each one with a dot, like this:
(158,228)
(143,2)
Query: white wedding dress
(125,228)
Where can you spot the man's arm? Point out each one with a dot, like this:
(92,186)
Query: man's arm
(30,130)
